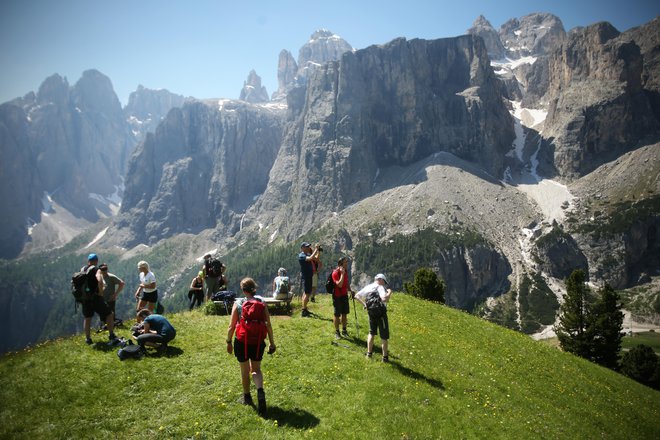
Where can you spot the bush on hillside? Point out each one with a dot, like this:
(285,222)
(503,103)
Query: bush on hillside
(426,285)
(641,364)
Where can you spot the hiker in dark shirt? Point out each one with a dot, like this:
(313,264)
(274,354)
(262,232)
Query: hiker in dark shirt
(251,321)
(308,260)
(96,304)
(196,291)
(156,330)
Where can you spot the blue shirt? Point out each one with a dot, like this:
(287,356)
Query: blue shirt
(161,325)
(306,268)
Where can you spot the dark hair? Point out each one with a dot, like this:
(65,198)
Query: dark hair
(341,260)
(143,313)
(103,267)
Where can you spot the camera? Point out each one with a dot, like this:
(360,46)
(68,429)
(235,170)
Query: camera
(319,247)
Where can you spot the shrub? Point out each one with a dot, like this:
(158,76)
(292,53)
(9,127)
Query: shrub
(641,364)
(426,285)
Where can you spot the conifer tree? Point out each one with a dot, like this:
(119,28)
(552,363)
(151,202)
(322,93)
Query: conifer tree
(572,329)
(605,325)
(426,285)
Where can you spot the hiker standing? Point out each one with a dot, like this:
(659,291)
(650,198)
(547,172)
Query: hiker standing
(146,293)
(196,291)
(317,265)
(281,286)
(113,285)
(156,330)
(340,296)
(251,321)
(212,275)
(307,260)
(374,298)
(96,304)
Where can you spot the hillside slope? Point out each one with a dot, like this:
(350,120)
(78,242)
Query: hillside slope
(451,376)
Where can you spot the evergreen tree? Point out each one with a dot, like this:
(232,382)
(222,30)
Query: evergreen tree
(642,364)
(426,285)
(605,326)
(572,329)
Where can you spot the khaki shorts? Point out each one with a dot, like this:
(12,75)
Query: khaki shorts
(315,280)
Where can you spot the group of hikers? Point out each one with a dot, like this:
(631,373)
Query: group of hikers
(249,323)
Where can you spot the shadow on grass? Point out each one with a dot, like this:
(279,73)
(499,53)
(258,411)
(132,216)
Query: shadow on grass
(417,376)
(169,352)
(294,418)
(313,315)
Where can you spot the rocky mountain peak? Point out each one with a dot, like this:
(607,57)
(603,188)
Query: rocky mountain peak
(323,46)
(253,91)
(146,108)
(54,89)
(94,92)
(286,73)
(533,35)
(482,28)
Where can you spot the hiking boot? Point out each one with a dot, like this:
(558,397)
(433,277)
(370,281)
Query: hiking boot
(89,341)
(305,313)
(246,399)
(344,333)
(369,355)
(313,299)
(386,359)
(261,401)
(337,335)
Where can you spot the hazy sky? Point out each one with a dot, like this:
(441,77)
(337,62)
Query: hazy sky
(207,48)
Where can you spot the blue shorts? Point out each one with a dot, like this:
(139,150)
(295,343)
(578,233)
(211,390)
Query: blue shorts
(307,285)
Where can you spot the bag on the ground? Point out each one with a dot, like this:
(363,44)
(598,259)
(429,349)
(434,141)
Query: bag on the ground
(80,286)
(375,306)
(225,296)
(131,351)
(251,328)
(214,268)
(330,284)
(285,288)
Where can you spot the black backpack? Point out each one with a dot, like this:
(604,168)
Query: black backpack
(214,268)
(330,284)
(375,306)
(131,351)
(80,288)
(284,286)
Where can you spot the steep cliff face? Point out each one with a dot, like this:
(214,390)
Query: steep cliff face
(482,28)
(202,168)
(598,109)
(385,105)
(75,139)
(472,275)
(286,74)
(146,108)
(532,35)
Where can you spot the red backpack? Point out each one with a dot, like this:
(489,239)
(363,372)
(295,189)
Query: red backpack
(251,328)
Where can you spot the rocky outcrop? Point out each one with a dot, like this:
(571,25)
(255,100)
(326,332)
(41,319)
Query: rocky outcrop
(558,255)
(286,74)
(201,169)
(482,28)
(597,109)
(146,108)
(532,35)
(473,274)
(75,139)
(322,47)
(252,91)
(385,105)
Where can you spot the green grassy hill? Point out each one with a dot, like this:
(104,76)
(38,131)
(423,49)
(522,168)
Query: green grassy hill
(451,375)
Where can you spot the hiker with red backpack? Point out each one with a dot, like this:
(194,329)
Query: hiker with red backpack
(374,298)
(340,296)
(251,321)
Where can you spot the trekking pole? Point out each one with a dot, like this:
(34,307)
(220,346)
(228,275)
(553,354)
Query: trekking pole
(357,327)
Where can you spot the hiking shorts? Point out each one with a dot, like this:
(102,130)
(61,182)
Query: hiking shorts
(315,280)
(96,305)
(239,351)
(340,304)
(151,297)
(379,326)
(307,285)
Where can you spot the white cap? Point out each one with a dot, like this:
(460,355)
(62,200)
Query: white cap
(380,276)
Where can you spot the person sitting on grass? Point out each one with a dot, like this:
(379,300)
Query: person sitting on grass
(156,330)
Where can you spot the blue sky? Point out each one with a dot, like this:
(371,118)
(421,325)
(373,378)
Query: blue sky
(207,48)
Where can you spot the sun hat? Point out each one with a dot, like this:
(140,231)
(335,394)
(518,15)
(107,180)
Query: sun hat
(380,276)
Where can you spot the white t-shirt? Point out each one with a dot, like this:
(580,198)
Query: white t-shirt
(373,287)
(147,278)
(278,284)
